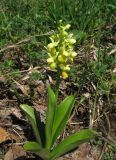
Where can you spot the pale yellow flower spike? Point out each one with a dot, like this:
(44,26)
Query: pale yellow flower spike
(60,50)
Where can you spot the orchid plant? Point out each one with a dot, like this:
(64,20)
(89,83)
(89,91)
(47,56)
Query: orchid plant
(60,56)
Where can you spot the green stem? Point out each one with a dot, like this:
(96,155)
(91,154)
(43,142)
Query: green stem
(57,85)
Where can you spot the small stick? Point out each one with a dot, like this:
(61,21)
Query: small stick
(19,44)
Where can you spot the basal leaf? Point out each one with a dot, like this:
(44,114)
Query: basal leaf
(50,116)
(32,146)
(72,142)
(36,148)
(31,115)
(62,115)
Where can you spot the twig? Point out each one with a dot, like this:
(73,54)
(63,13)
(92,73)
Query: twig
(7,100)
(19,144)
(22,42)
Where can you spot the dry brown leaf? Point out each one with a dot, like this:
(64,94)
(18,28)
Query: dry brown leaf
(23,88)
(16,112)
(85,152)
(41,88)
(51,80)
(4,112)
(4,135)
(14,152)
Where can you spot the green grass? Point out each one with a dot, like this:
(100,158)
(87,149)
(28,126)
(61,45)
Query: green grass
(21,18)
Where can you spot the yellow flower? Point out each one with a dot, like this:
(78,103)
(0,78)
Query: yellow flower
(74,54)
(66,68)
(61,58)
(67,26)
(64,33)
(53,65)
(65,53)
(50,60)
(71,59)
(72,41)
(70,35)
(64,75)
(52,45)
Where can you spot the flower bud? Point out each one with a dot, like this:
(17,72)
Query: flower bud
(52,45)
(64,75)
(53,65)
(65,53)
(66,68)
(64,33)
(67,26)
(50,60)
(72,41)
(61,58)
(74,54)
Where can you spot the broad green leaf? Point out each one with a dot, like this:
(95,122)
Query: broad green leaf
(32,146)
(72,142)
(36,148)
(62,115)
(31,115)
(50,116)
